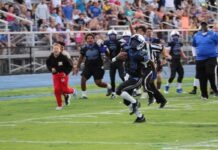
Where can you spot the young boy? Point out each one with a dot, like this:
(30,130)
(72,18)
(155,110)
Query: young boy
(60,67)
(175,51)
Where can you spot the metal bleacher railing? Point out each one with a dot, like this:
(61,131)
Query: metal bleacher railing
(28,56)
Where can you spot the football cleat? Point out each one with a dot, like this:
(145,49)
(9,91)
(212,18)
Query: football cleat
(140,119)
(179,91)
(193,92)
(109,92)
(166,89)
(162,105)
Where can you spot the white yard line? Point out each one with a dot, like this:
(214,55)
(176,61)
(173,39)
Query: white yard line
(75,142)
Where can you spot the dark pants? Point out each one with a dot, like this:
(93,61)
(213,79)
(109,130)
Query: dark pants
(176,67)
(128,86)
(148,86)
(113,67)
(206,70)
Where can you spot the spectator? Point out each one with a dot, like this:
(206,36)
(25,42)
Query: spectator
(42,12)
(68,12)
(95,10)
(80,4)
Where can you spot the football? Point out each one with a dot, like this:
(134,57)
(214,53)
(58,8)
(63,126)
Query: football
(122,56)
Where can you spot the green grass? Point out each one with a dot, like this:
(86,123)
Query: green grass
(187,122)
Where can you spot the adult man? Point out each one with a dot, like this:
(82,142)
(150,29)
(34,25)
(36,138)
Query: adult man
(205,43)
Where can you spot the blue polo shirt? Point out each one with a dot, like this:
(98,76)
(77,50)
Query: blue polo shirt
(205,45)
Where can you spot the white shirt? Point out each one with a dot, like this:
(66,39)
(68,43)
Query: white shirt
(56,3)
(42,11)
(169,4)
(28,4)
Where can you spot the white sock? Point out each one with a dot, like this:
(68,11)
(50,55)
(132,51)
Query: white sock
(196,82)
(84,93)
(179,85)
(130,107)
(127,97)
(168,84)
(113,93)
(109,86)
(138,114)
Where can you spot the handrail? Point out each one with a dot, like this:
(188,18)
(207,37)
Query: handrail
(169,24)
(6,24)
(20,18)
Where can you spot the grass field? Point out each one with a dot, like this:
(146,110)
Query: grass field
(28,120)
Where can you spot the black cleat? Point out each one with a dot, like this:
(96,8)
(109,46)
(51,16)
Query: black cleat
(109,91)
(135,106)
(163,104)
(150,101)
(140,120)
(193,92)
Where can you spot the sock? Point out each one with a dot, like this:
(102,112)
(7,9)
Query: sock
(196,82)
(130,107)
(113,93)
(84,93)
(109,86)
(168,84)
(138,114)
(195,88)
(179,85)
(127,97)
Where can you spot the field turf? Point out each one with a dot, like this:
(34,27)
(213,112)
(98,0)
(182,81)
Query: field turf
(29,121)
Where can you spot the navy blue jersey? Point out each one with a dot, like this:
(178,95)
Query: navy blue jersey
(135,62)
(92,53)
(175,49)
(113,47)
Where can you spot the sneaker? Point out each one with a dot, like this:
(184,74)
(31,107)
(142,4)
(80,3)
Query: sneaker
(179,91)
(135,106)
(140,119)
(113,96)
(109,92)
(59,108)
(75,94)
(67,99)
(84,97)
(163,104)
(166,89)
(204,98)
(193,92)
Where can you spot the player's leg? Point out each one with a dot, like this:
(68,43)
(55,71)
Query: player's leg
(86,74)
(172,76)
(180,71)
(125,90)
(112,73)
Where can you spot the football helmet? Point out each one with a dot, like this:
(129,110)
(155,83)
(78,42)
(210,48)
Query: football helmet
(137,42)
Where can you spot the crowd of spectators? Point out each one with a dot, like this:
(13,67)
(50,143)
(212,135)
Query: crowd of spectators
(80,15)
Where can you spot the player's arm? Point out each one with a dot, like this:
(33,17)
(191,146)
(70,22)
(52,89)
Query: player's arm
(183,55)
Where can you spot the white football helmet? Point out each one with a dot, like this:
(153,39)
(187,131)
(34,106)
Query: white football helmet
(112,32)
(137,42)
(126,33)
(174,32)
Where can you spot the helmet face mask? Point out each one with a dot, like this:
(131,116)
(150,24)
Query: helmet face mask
(112,36)
(127,38)
(137,42)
